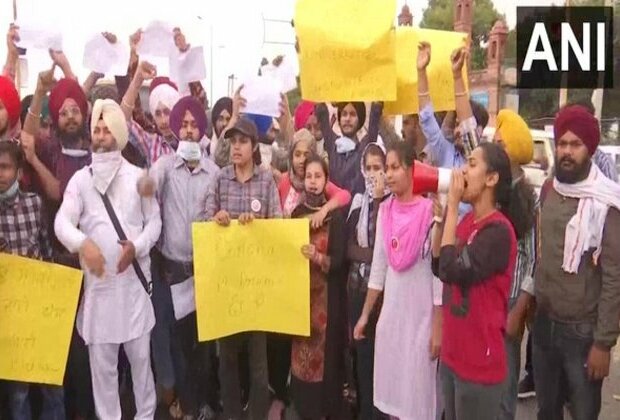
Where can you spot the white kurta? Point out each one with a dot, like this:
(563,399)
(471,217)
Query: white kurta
(404,375)
(115,308)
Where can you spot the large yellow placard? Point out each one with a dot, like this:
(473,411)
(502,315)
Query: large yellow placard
(347,49)
(439,71)
(251,278)
(38,301)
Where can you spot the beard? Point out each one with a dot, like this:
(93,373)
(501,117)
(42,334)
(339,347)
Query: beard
(579,172)
(71,140)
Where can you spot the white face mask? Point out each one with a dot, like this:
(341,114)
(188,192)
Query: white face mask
(189,150)
(104,167)
(74,152)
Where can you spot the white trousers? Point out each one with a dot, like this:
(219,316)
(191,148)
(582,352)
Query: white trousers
(104,371)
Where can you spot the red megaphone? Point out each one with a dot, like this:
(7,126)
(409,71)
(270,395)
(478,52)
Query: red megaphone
(428,179)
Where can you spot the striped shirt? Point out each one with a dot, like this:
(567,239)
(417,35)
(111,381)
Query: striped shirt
(151,145)
(605,164)
(528,251)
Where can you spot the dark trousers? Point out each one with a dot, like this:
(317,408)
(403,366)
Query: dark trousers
(364,358)
(279,364)
(78,387)
(529,367)
(467,400)
(230,347)
(560,353)
(190,358)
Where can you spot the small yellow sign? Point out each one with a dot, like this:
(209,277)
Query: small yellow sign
(251,278)
(38,301)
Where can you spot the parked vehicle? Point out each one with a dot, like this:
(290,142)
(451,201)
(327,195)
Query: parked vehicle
(541,167)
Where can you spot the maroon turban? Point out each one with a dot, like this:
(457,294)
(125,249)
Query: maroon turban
(10,99)
(303,111)
(579,121)
(193,105)
(161,80)
(67,88)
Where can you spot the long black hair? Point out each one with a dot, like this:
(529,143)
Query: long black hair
(517,201)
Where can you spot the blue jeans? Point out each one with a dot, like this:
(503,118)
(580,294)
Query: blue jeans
(53,402)
(161,335)
(560,352)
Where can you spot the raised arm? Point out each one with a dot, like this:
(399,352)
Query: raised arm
(463,108)
(322,115)
(60,59)
(376,110)
(434,136)
(90,82)
(145,71)
(45,83)
(50,184)
(12,54)
(287,128)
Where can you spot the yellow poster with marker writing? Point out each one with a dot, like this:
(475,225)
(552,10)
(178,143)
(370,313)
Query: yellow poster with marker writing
(251,278)
(439,70)
(38,301)
(347,50)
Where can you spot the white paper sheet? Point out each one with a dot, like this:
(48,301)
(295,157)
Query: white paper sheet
(106,58)
(157,39)
(188,66)
(37,37)
(285,73)
(183,299)
(262,94)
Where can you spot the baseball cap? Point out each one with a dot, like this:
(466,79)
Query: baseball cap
(243,126)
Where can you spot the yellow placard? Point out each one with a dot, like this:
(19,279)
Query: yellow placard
(439,70)
(38,301)
(346,50)
(251,278)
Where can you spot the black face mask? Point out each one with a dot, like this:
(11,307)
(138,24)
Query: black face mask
(314,201)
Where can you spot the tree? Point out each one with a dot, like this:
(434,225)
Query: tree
(440,15)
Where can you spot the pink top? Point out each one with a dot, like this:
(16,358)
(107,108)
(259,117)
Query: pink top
(331,191)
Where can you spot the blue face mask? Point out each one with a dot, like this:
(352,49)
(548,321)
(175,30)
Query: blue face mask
(10,193)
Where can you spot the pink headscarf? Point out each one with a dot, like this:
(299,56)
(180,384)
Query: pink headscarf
(405,230)
(303,111)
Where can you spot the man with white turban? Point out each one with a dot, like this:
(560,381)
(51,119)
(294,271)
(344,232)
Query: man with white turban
(117,229)
(162,98)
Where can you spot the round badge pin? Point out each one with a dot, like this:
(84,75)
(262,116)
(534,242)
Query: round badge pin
(255,205)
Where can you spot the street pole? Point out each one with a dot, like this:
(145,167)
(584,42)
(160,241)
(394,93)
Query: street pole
(597,94)
(564,82)
(18,78)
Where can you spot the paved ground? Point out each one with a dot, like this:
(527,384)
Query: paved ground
(611,408)
(526,409)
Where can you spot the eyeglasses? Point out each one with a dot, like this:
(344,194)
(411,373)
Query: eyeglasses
(70,112)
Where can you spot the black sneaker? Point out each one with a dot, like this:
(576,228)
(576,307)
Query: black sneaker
(526,387)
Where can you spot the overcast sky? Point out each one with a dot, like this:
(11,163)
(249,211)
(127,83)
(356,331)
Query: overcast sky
(243,30)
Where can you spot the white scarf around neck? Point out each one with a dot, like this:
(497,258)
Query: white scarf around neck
(584,231)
